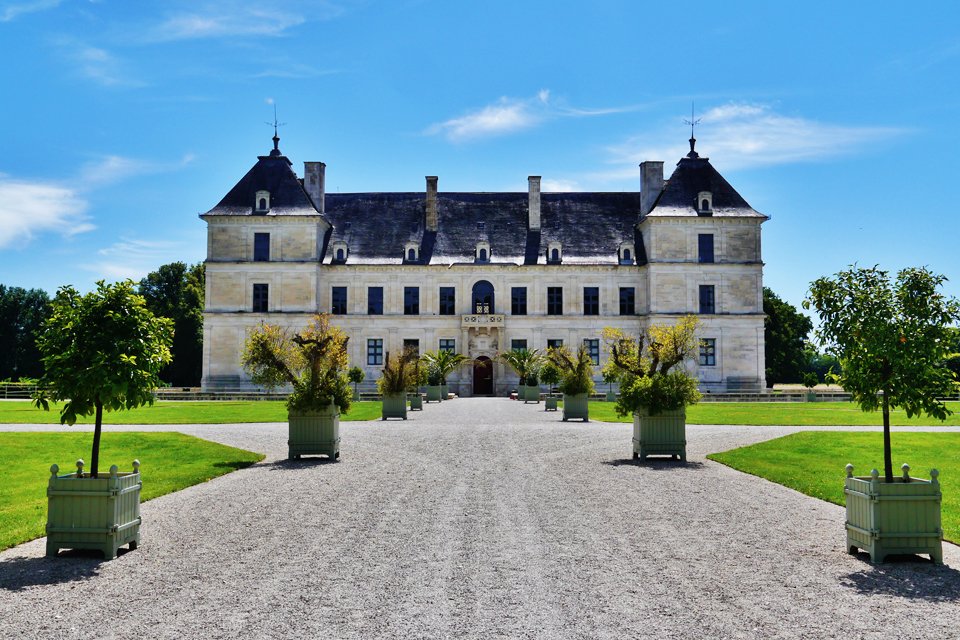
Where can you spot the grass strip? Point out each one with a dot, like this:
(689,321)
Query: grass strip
(814,463)
(169,462)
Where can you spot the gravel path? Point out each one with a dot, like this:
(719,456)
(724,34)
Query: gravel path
(480,518)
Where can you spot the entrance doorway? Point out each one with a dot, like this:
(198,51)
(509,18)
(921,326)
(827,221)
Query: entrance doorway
(482,376)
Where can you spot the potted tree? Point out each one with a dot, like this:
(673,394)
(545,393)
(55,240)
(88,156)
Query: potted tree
(893,340)
(531,391)
(445,362)
(609,376)
(550,377)
(653,385)
(419,379)
(312,362)
(810,380)
(102,351)
(524,362)
(356,376)
(397,378)
(576,380)
(434,381)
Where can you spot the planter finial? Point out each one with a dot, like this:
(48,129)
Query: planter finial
(136,466)
(934,474)
(849,470)
(113,470)
(79,467)
(54,470)
(906,472)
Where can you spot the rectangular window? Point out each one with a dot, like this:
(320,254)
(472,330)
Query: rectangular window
(375,301)
(706,247)
(554,344)
(375,351)
(338,302)
(448,344)
(411,301)
(708,352)
(554,301)
(261,298)
(518,301)
(448,301)
(591,301)
(628,301)
(518,344)
(708,301)
(593,348)
(261,247)
(411,344)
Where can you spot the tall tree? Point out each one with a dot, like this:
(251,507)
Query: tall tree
(175,291)
(785,332)
(22,312)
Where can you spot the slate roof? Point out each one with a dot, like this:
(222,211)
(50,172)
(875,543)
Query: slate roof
(692,176)
(589,226)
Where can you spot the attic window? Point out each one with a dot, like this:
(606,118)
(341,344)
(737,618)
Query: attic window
(554,253)
(483,252)
(705,203)
(411,252)
(262,204)
(340,251)
(626,253)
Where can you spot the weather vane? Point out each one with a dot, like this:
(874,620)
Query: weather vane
(693,122)
(276,124)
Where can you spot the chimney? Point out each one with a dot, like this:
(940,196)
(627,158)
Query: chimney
(431,221)
(533,218)
(314,176)
(651,184)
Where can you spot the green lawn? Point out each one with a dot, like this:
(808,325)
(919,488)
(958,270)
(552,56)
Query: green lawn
(789,413)
(814,463)
(168,462)
(178,412)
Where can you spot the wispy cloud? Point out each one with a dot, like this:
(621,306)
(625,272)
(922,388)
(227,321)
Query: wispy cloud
(742,135)
(97,64)
(509,115)
(293,71)
(133,258)
(237,18)
(558,186)
(13,10)
(31,207)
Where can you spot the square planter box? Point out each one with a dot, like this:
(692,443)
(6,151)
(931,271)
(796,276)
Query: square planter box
(93,513)
(394,406)
(314,433)
(416,402)
(661,435)
(433,394)
(811,396)
(893,518)
(531,394)
(550,403)
(611,396)
(576,407)
(444,392)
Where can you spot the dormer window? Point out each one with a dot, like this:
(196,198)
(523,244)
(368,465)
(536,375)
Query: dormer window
(554,253)
(411,252)
(340,251)
(626,253)
(262,204)
(705,203)
(482,253)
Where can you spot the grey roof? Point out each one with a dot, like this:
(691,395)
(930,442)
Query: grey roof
(589,226)
(692,176)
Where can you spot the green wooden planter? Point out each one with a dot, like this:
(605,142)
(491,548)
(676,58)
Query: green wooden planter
(550,403)
(315,433)
(811,396)
(661,435)
(93,513)
(531,394)
(444,392)
(611,395)
(394,406)
(894,518)
(576,407)
(433,393)
(416,402)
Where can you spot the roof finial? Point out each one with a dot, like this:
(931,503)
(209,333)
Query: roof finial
(276,138)
(693,141)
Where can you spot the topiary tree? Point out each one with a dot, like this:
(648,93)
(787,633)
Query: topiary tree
(101,351)
(892,339)
(549,376)
(810,380)
(356,376)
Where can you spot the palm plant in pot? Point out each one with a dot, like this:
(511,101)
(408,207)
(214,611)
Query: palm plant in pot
(434,381)
(399,375)
(102,351)
(313,363)
(550,377)
(576,380)
(654,387)
(893,341)
(525,362)
(445,362)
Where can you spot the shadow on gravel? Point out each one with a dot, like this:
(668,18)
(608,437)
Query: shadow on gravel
(908,576)
(302,463)
(654,464)
(17,574)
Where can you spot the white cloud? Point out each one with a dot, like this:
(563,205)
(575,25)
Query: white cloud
(94,63)
(31,207)
(239,18)
(557,186)
(11,11)
(133,258)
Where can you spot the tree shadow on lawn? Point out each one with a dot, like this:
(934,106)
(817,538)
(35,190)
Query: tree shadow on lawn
(16,574)
(905,576)
(654,464)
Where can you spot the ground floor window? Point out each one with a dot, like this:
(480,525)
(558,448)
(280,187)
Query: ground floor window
(554,343)
(708,352)
(411,344)
(628,300)
(448,344)
(516,345)
(375,351)
(593,348)
(261,297)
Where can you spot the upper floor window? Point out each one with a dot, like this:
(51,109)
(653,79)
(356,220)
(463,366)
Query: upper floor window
(708,301)
(593,348)
(338,301)
(518,301)
(555,301)
(628,301)
(261,247)
(448,301)
(262,201)
(411,301)
(261,298)
(708,352)
(375,301)
(483,297)
(591,301)
(705,247)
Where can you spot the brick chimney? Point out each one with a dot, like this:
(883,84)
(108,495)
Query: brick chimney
(314,177)
(533,218)
(651,184)
(431,217)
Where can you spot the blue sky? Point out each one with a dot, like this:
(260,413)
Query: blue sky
(124,120)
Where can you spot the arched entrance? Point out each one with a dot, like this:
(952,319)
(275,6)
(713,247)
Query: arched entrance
(482,376)
(483,297)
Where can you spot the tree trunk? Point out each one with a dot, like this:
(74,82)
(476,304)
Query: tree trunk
(887,457)
(95,454)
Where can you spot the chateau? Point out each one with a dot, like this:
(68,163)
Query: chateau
(481,273)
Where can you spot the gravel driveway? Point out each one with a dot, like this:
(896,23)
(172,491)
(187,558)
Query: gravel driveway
(481,518)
